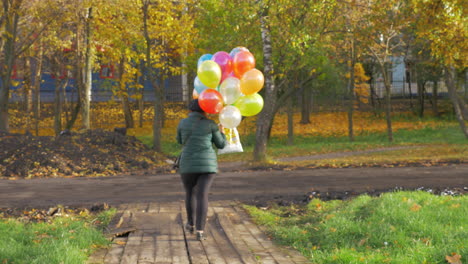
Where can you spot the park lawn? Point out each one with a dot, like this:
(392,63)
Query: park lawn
(440,142)
(398,227)
(425,155)
(65,239)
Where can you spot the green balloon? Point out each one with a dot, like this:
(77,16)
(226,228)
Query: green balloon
(209,73)
(249,105)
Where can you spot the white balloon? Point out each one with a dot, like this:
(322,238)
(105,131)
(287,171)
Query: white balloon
(230,116)
(230,90)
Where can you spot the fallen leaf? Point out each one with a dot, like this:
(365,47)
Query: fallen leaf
(454,259)
(415,207)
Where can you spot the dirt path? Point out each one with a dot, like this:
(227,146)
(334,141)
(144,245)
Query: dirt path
(239,186)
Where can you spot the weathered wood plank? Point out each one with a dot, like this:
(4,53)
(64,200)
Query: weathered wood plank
(163,244)
(140,207)
(280,254)
(259,252)
(195,249)
(179,251)
(130,254)
(241,247)
(98,256)
(154,207)
(213,252)
(147,249)
(163,249)
(230,253)
(114,255)
(170,208)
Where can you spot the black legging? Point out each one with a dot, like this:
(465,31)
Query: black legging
(197,199)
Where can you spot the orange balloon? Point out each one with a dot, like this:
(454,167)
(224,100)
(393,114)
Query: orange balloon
(252,82)
(194,94)
(242,62)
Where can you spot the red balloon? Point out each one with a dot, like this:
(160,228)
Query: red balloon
(243,61)
(211,101)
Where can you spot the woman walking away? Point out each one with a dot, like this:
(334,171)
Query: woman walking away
(198,163)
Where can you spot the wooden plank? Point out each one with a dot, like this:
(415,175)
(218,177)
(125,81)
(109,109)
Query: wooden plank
(163,249)
(213,252)
(230,253)
(147,249)
(170,208)
(179,251)
(241,247)
(252,243)
(195,249)
(130,254)
(154,207)
(140,207)
(163,244)
(114,255)
(280,254)
(121,207)
(97,257)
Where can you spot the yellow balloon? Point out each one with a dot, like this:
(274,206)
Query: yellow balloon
(209,73)
(249,105)
(252,81)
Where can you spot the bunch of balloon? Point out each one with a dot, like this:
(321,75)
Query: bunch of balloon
(228,84)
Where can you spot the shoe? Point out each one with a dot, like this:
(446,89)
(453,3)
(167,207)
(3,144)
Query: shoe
(189,228)
(201,236)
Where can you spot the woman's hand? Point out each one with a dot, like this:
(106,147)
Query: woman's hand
(221,128)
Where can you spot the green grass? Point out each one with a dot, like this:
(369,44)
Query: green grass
(400,227)
(64,240)
(449,133)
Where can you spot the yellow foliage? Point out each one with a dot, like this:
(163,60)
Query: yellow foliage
(361,87)
(109,115)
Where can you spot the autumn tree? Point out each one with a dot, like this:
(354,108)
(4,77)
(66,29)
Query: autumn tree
(285,38)
(18,33)
(166,27)
(381,35)
(444,24)
(290,32)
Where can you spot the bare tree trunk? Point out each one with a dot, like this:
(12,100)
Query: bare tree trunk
(388,102)
(10,15)
(372,97)
(58,103)
(452,90)
(420,109)
(306,105)
(37,89)
(351,94)
(435,108)
(27,86)
(158,90)
(87,82)
(78,75)
(410,93)
(265,118)
(141,98)
(291,121)
(123,94)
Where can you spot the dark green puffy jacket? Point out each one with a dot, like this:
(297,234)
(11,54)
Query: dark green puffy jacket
(198,155)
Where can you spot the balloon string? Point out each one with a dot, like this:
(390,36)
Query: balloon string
(231,139)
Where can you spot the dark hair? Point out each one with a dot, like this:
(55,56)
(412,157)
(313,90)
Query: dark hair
(194,106)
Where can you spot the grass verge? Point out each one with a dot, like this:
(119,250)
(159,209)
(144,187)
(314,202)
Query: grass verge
(62,240)
(442,143)
(400,227)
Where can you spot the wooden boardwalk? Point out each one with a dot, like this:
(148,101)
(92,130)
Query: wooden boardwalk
(157,236)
